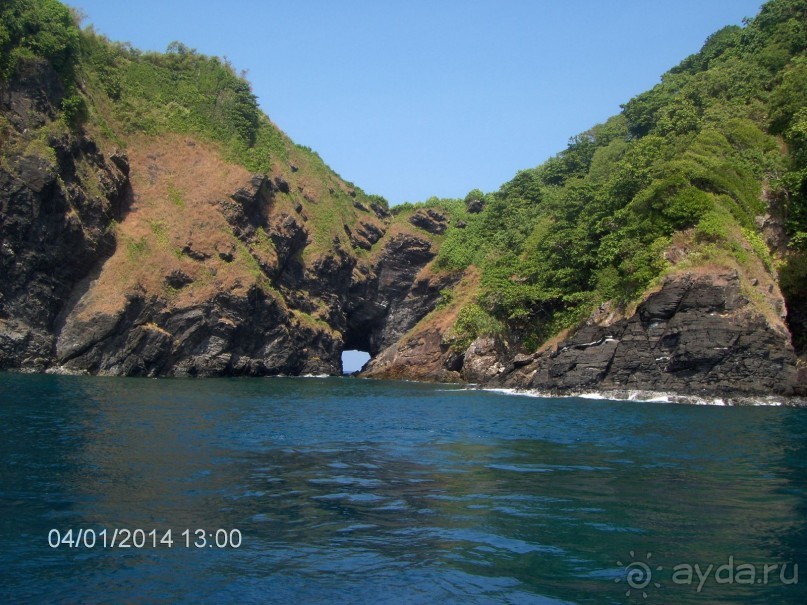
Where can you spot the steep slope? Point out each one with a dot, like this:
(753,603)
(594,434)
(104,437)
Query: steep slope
(59,195)
(695,193)
(154,222)
(223,279)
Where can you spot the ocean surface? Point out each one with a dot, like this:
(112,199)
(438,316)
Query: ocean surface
(340,490)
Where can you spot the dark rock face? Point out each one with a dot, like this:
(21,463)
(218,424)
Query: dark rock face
(365,235)
(31,98)
(697,335)
(233,335)
(392,300)
(178,279)
(56,213)
(246,208)
(474,206)
(430,220)
(379,210)
(282,184)
(53,230)
(402,259)
(289,237)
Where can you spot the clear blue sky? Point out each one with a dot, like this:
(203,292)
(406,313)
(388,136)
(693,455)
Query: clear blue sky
(416,98)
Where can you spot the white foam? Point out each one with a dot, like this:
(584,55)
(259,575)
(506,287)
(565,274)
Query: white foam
(60,371)
(521,392)
(652,397)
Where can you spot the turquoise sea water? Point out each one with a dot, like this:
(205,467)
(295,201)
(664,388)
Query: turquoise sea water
(352,491)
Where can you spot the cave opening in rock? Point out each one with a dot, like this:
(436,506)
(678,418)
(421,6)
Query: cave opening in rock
(353,360)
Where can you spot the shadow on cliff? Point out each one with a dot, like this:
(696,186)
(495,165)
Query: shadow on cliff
(121,205)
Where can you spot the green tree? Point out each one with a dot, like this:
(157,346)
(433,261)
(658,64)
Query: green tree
(37,29)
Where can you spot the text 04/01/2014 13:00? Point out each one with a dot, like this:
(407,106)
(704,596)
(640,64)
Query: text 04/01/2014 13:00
(142,538)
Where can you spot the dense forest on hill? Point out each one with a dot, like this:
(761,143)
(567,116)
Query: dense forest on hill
(686,169)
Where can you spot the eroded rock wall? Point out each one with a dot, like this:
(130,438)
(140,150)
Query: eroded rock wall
(58,200)
(698,334)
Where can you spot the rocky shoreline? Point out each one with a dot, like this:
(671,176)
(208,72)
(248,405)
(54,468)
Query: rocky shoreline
(71,214)
(697,335)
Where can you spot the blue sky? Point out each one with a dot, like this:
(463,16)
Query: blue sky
(416,98)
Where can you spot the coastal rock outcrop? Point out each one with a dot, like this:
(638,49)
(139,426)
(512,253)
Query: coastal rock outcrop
(698,334)
(170,260)
(232,334)
(482,361)
(421,357)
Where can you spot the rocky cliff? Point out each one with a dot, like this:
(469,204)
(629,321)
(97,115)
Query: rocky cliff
(59,194)
(151,229)
(168,260)
(291,316)
(697,334)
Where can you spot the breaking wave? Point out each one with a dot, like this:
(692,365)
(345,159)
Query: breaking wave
(657,397)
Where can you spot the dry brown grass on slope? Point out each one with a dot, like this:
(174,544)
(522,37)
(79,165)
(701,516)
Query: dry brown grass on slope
(176,181)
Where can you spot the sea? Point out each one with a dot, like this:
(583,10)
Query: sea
(344,490)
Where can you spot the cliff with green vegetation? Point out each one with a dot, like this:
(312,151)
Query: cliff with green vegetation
(700,180)
(155,222)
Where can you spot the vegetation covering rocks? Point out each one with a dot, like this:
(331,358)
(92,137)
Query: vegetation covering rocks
(154,221)
(703,173)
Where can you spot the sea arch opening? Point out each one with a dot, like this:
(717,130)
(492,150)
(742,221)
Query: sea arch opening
(353,360)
